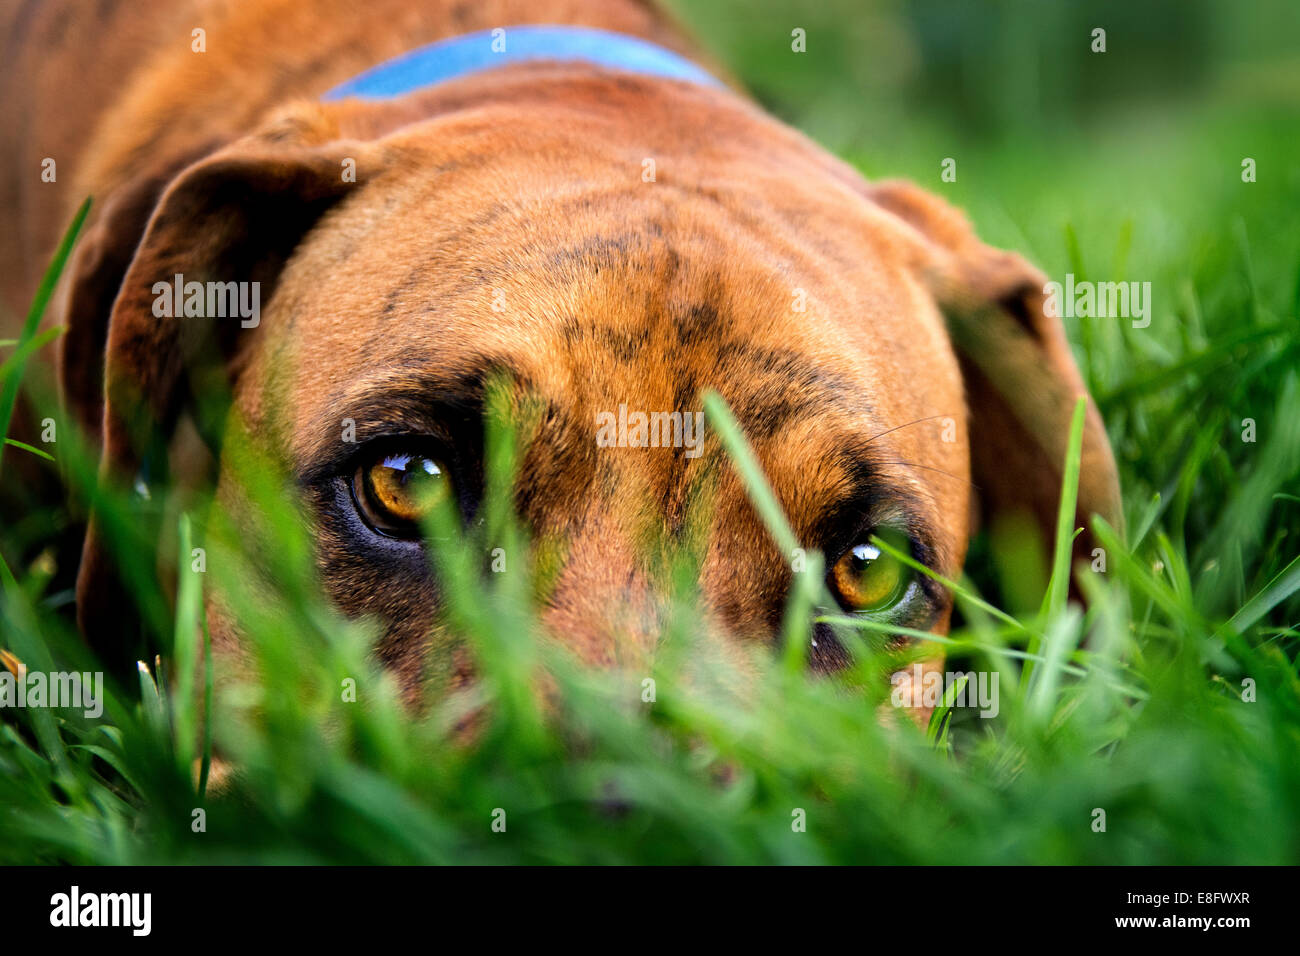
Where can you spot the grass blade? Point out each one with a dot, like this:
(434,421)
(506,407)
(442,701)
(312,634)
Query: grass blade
(9,387)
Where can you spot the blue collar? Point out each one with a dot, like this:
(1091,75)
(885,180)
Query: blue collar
(473,52)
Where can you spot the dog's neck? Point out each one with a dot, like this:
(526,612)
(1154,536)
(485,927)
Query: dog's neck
(460,56)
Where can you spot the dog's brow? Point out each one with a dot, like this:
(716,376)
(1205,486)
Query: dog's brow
(870,495)
(466,386)
(782,386)
(435,402)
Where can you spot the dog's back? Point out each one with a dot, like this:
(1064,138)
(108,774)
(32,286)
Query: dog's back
(65,63)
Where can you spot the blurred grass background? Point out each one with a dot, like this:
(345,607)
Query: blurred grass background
(1117,166)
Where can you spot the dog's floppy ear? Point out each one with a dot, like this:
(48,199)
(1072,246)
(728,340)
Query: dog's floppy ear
(90,285)
(234,217)
(1021,381)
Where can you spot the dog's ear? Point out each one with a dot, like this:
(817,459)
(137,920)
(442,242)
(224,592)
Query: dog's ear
(90,285)
(233,217)
(1022,383)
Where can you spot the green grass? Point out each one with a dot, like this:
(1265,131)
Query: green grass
(1134,708)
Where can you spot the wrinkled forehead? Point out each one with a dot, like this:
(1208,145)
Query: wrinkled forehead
(635,294)
(534,261)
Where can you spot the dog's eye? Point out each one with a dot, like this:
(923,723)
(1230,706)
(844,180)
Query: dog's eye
(396,491)
(867,578)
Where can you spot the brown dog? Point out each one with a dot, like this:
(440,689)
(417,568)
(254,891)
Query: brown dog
(882,360)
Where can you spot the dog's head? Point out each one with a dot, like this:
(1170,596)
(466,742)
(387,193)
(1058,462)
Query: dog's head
(612,248)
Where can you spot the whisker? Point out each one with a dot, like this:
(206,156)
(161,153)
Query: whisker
(917,421)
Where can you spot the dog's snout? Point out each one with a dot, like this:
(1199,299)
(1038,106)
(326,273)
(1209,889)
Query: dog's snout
(601,605)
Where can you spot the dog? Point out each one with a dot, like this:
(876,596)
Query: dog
(616,240)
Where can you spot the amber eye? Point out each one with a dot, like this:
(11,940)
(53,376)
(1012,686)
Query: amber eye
(397,491)
(867,578)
